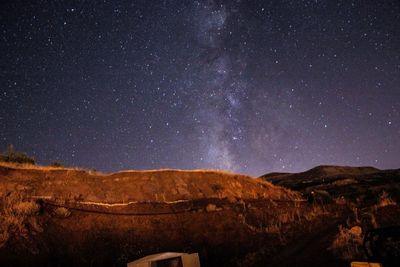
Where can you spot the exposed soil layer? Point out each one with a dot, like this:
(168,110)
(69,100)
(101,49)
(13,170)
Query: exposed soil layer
(224,236)
(67,217)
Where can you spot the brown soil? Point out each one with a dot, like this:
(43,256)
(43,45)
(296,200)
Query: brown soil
(71,217)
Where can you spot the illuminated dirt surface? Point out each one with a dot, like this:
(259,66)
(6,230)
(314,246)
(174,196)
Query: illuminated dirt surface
(70,217)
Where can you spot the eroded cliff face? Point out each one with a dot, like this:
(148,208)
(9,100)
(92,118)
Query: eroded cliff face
(64,217)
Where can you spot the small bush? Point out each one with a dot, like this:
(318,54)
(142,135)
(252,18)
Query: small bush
(56,164)
(14,217)
(25,208)
(347,244)
(385,200)
(16,157)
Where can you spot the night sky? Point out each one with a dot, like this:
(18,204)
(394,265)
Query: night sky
(246,86)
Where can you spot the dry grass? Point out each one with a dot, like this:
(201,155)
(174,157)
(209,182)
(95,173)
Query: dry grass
(385,200)
(31,166)
(25,166)
(181,170)
(347,244)
(14,215)
(277,226)
(92,171)
(294,215)
(167,184)
(314,212)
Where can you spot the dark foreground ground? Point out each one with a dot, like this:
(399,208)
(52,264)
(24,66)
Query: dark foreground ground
(66,217)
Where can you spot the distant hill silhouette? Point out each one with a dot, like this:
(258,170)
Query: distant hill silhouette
(362,183)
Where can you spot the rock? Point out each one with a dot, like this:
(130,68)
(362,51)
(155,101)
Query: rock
(62,212)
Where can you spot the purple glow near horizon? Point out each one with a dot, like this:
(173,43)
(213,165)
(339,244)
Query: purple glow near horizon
(246,86)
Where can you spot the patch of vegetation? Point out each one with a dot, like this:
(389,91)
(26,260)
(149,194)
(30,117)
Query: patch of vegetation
(217,187)
(385,200)
(11,155)
(56,164)
(14,217)
(347,244)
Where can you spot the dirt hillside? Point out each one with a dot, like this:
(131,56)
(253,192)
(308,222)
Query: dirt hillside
(72,217)
(154,185)
(372,195)
(360,184)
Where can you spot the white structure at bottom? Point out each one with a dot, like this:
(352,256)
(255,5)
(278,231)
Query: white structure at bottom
(168,259)
(365,264)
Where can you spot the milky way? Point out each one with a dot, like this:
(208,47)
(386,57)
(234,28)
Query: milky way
(245,86)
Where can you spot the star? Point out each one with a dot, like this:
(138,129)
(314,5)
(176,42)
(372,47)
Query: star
(251,87)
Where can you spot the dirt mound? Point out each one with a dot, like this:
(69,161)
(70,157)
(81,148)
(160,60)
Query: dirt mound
(128,186)
(71,217)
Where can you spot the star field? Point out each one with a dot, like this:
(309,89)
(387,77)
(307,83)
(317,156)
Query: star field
(245,86)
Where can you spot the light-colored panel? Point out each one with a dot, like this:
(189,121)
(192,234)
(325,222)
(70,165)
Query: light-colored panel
(191,260)
(365,264)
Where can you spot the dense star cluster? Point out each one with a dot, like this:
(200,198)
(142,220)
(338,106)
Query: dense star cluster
(246,86)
